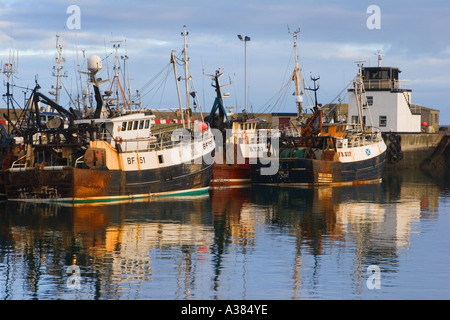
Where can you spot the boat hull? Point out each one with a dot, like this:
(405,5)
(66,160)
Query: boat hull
(231,175)
(75,185)
(235,171)
(3,196)
(301,171)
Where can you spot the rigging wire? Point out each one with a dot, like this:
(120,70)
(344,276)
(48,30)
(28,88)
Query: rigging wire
(280,95)
(151,86)
(195,96)
(154,85)
(337,97)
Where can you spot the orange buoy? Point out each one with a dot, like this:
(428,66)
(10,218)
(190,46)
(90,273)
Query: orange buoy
(202,126)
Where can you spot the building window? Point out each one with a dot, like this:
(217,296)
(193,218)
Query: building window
(355,120)
(369,100)
(383,121)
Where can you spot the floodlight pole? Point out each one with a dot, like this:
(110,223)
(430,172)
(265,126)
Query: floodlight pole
(245,39)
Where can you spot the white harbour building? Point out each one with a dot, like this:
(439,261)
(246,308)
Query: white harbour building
(388,101)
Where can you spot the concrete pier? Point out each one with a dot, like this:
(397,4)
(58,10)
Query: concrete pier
(439,160)
(429,151)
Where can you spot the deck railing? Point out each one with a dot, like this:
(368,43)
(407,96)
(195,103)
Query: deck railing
(386,84)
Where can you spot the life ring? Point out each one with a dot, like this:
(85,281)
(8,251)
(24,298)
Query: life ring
(118,139)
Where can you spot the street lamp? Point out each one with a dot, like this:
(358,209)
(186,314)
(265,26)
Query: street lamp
(245,39)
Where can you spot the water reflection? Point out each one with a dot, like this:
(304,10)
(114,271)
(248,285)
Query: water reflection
(246,243)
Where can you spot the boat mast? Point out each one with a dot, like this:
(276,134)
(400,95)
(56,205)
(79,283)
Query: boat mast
(297,78)
(115,83)
(57,70)
(127,74)
(186,77)
(94,66)
(358,93)
(172,60)
(315,92)
(9,69)
(363,104)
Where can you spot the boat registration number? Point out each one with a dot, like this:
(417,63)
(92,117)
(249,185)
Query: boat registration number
(207,145)
(133,160)
(344,154)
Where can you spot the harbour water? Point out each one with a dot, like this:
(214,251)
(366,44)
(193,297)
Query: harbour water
(379,241)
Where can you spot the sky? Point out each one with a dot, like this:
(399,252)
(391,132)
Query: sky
(412,35)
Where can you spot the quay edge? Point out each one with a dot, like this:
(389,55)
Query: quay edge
(429,151)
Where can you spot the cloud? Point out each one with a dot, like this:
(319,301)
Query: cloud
(446,50)
(343,51)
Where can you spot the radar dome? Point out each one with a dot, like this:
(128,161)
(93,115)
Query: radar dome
(94,64)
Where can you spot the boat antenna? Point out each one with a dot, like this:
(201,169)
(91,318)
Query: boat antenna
(315,91)
(126,75)
(380,57)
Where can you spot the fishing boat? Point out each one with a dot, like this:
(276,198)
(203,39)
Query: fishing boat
(326,152)
(114,155)
(6,144)
(239,141)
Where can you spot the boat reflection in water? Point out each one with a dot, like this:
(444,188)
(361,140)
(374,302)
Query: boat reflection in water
(112,245)
(244,243)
